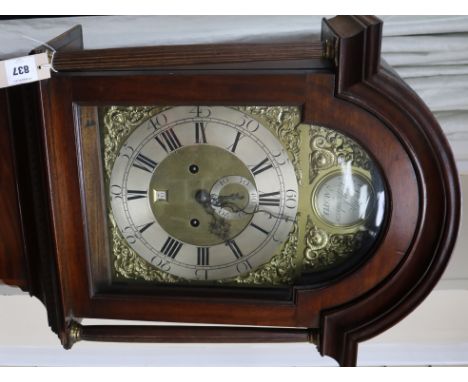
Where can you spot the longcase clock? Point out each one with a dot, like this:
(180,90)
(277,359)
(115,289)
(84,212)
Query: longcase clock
(294,191)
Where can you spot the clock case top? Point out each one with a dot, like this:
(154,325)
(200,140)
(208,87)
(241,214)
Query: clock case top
(338,81)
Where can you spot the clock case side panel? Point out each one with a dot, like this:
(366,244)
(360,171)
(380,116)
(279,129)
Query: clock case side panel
(28,107)
(364,81)
(13,263)
(39,266)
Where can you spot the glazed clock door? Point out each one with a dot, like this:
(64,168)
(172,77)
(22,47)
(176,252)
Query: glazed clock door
(224,196)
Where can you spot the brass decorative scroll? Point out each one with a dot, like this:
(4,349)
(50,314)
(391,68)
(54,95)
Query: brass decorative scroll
(327,245)
(329,148)
(324,249)
(118,123)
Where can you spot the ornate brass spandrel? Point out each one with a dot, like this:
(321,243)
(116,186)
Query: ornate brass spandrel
(324,250)
(127,265)
(330,148)
(283,121)
(331,152)
(118,122)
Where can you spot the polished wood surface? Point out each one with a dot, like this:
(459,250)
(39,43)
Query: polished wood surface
(192,334)
(382,93)
(180,56)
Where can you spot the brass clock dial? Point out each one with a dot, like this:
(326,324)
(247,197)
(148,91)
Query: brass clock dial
(203,192)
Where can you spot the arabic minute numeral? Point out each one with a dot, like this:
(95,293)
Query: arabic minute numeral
(116,191)
(129,235)
(243,267)
(160,263)
(201,112)
(291,199)
(158,120)
(252,126)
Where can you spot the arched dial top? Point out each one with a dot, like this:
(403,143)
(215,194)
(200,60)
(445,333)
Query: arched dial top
(203,192)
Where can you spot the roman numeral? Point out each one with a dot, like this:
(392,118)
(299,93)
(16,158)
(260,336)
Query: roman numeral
(135,194)
(144,227)
(203,256)
(234,248)
(269,199)
(144,163)
(236,141)
(168,140)
(260,229)
(262,166)
(171,247)
(200,136)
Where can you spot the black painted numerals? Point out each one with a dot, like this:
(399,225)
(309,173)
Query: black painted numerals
(261,167)
(136,194)
(142,228)
(234,248)
(203,256)
(269,199)
(236,141)
(168,140)
(116,192)
(144,163)
(171,247)
(200,135)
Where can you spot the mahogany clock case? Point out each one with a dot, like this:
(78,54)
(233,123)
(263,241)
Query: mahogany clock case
(53,218)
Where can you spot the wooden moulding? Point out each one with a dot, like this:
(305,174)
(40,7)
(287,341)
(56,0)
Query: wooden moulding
(183,56)
(187,334)
(385,95)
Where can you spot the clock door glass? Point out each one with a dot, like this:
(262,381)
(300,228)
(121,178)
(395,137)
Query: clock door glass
(218,195)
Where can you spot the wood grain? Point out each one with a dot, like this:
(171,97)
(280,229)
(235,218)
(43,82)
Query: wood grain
(194,334)
(12,260)
(180,56)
